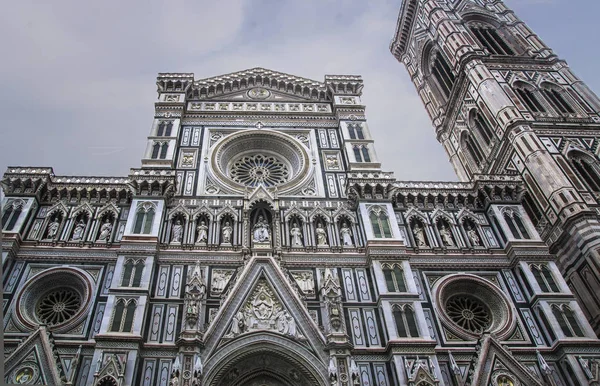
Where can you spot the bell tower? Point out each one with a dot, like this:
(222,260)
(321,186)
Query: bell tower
(502,102)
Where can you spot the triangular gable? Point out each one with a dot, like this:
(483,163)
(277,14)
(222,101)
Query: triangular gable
(261,279)
(279,84)
(36,358)
(248,95)
(261,194)
(494,359)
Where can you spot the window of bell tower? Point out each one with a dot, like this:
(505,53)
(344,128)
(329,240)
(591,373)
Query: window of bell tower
(491,40)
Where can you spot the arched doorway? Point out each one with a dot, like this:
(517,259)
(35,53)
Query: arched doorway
(264,359)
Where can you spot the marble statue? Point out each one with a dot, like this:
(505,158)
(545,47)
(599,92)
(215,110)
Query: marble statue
(305,281)
(321,235)
(473,236)
(238,325)
(53,228)
(202,233)
(261,231)
(346,235)
(446,236)
(419,235)
(177,232)
(226,233)
(296,234)
(105,230)
(78,232)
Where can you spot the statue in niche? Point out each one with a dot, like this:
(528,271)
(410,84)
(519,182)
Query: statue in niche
(226,233)
(296,234)
(346,235)
(446,236)
(105,230)
(473,236)
(78,231)
(321,235)
(202,233)
(419,233)
(53,228)
(261,231)
(177,232)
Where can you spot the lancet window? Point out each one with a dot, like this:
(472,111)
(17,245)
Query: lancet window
(355,130)
(544,278)
(406,323)
(483,128)
(587,169)
(516,225)
(529,98)
(164,129)
(567,320)
(443,74)
(380,223)
(557,99)
(11,215)
(159,150)
(132,273)
(143,221)
(394,278)
(491,40)
(472,149)
(123,315)
(361,153)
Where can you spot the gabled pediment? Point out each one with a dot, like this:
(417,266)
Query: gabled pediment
(35,361)
(496,361)
(259,94)
(259,83)
(262,301)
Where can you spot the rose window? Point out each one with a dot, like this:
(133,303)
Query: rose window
(252,170)
(58,306)
(469,313)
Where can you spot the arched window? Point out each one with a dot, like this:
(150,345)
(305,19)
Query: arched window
(551,337)
(355,130)
(11,215)
(529,98)
(472,150)
(481,125)
(161,129)
(394,278)
(361,153)
(155,150)
(365,154)
(516,225)
(132,273)
(490,39)
(443,74)
(587,170)
(567,320)
(163,150)
(557,99)
(168,129)
(123,316)
(143,221)
(406,324)
(357,155)
(544,278)
(380,223)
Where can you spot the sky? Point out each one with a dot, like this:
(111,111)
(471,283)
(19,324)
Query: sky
(78,78)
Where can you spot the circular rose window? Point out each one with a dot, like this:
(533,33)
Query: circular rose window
(469,313)
(251,158)
(253,170)
(469,306)
(58,306)
(58,298)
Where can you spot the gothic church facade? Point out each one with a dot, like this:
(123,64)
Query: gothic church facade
(261,243)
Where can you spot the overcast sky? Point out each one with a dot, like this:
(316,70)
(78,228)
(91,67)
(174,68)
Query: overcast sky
(78,77)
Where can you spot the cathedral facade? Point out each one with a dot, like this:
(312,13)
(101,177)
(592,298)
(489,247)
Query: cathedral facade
(260,242)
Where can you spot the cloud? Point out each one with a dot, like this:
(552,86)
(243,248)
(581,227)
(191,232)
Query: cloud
(78,79)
